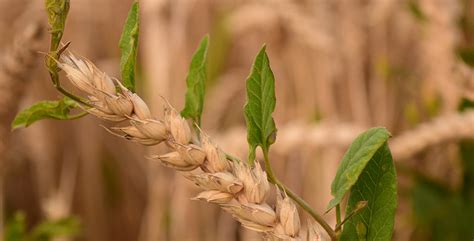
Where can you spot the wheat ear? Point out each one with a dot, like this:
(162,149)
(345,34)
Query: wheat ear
(237,188)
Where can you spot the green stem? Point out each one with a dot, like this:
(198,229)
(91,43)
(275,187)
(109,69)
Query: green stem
(74,117)
(57,13)
(358,209)
(338,213)
(338,220)
(302,203)
(70,95)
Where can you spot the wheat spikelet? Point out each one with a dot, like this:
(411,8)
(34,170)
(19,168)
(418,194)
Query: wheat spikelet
(238,188)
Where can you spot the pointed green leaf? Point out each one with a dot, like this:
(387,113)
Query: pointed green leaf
(354,161)
(378,186)
(196,82)
(128,45)
(261,130)
(58,109)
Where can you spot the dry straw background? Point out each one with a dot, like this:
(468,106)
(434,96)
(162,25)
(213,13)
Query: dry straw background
(341,66)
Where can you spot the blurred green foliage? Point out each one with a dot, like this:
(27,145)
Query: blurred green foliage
(219,49)
(16,229)
(467,55)
(416,11)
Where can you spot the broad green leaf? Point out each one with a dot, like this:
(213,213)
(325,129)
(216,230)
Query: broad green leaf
(261,130)
(64,227)
(128,45)
(58,109)
(196,82)
(377,184)
(354,161)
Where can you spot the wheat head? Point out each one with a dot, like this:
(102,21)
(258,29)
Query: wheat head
(236,187)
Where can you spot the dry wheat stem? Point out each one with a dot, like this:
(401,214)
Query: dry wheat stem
(237,188)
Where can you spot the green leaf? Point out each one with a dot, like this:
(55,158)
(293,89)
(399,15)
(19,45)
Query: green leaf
(354,161)
(261,130)
(128,45)
(196,82)
(58,109)
(377,185)
(64,227)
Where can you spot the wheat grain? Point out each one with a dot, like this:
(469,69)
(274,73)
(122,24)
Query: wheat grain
(238,188)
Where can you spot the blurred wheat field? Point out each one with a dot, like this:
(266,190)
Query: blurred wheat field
(340,67)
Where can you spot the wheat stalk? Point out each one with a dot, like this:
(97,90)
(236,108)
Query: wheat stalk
(237,188)
(15,60)
(445,128)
